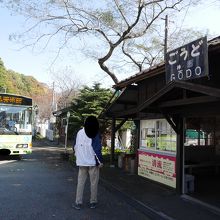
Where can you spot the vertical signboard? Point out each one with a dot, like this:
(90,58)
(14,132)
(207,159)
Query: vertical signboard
(187,62)
(157,167)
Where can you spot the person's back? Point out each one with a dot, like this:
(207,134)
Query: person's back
(83,150)
(89,159)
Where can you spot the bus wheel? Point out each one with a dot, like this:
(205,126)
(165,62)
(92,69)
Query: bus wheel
(5,152)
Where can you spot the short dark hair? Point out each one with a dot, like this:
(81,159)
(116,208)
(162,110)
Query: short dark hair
(91,126)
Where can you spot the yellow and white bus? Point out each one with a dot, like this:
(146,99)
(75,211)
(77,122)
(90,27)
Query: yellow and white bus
(15,124)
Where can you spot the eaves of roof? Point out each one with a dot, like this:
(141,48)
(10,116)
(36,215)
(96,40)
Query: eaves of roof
(152,71)
(61,112)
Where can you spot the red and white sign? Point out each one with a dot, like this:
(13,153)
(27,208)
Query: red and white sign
(157,167)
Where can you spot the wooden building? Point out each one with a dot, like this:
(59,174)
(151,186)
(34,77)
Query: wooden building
(178,124)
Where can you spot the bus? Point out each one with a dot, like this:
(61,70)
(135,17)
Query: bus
(15,124)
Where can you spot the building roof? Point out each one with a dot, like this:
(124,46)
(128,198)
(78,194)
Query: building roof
(126,105)
(61,112)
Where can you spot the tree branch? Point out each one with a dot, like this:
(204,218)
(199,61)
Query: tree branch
(131,58)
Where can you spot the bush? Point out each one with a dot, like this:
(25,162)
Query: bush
(72,158)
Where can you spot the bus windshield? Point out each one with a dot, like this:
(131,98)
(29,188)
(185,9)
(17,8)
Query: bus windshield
(15,120)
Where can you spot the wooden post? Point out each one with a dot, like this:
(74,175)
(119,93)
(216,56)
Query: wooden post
(137,143)
(112,156)
(180,155)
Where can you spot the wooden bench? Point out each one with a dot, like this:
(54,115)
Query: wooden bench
(203,164)
(189,183)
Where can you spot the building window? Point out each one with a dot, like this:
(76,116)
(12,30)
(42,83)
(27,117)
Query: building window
(157,135)
(200,132)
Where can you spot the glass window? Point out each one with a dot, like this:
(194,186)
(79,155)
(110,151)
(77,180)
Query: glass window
(157,135)
(199,132)
(14,119)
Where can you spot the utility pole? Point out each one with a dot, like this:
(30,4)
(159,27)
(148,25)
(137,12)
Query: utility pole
(53,99)
(165,38)
(52,117)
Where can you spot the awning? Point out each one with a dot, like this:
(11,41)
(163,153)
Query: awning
(61,112)
(181,97)
(125,105)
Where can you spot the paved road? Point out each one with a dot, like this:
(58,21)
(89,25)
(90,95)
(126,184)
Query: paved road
(42,186)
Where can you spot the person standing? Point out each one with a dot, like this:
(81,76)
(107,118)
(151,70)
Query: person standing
(89,160)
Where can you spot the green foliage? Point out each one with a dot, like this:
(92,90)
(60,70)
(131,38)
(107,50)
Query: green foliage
(127,125)
(91,101)
(106,151)
(72,159)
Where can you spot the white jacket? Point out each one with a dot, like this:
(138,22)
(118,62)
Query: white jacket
(84,152)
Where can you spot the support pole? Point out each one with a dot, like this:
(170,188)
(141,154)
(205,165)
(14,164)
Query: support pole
(180,155)
(137,143)
(112,156)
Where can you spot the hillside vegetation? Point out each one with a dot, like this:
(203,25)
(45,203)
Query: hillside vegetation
(20,84)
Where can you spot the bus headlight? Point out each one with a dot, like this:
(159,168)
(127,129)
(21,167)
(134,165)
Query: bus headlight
(22,146)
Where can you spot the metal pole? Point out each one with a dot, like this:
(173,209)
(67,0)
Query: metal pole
(66,130)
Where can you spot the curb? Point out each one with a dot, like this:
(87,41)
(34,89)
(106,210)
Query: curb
(146,210)
(205,205)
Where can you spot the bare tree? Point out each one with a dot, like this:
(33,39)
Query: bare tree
(44,105)
(114,28)
(66,86)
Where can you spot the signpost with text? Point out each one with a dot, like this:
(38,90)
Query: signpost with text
(187,62)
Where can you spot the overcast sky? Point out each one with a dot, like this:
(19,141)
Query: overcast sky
(24,61)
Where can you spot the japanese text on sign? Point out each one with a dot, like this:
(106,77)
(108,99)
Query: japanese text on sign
(11,99)
(157,167)
(188,62)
